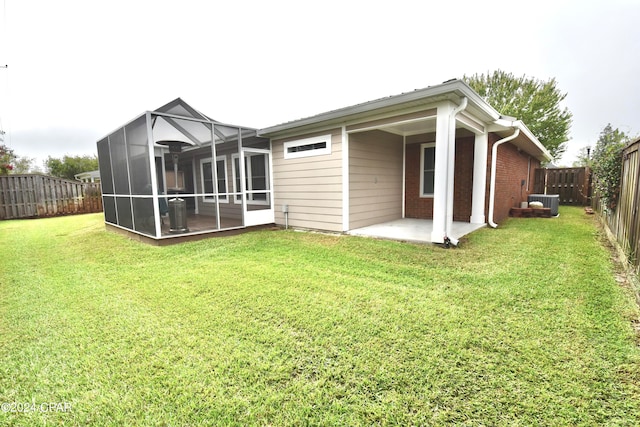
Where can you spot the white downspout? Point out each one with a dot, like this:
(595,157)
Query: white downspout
(494,159)
(451,152)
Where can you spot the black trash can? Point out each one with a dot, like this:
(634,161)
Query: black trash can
(177,215)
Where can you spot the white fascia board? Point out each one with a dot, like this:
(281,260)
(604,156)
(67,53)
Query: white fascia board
(454,87)
(525,130)
(503,124)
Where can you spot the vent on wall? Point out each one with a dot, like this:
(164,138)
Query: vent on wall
(551,201)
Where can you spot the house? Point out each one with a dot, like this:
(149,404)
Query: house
(441,156)
(91,176)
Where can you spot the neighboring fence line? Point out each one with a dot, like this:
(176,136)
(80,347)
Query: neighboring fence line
(34,195)
(623,220)
(572,185)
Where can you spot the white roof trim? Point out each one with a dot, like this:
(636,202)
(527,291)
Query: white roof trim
(525,130)
(539,151)
(453,87)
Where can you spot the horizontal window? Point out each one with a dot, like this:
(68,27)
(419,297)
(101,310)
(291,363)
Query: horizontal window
(307,147)
(315,146)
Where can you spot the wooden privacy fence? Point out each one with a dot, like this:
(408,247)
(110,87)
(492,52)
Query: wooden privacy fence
(623,220)
(33,196)
(572,185)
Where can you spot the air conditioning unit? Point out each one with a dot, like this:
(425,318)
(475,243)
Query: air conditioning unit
(551,201)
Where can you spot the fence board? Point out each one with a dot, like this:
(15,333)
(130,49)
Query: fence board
(623,219)
(572,185)
(33,195)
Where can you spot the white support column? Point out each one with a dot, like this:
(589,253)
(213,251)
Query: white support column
(451,158)
(444,163)
(345,180)
(480,150)
(404,174)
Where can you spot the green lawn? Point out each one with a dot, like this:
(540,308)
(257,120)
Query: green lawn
(522,325)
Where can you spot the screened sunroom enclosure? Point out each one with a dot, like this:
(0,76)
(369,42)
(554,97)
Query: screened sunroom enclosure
(175,172)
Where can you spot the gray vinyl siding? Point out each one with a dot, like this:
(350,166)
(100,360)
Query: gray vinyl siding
(310,186)
(375,178)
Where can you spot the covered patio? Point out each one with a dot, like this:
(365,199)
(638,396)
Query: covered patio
(426,167)
(412,230)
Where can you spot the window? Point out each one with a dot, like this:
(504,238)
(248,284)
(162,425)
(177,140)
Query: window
(236,177)
(315,146)
(427,169)
(307,147)
(207,179)
(256,168)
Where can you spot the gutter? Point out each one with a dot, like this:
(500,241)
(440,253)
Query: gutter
(494,160)
(451,152)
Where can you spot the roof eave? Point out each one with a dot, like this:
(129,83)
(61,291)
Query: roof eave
(532,146)
(454,88)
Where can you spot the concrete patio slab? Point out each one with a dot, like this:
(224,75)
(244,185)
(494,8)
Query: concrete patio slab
(412,230)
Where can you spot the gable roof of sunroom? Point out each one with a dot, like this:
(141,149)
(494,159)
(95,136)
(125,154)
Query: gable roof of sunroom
(453,90)
(171,122)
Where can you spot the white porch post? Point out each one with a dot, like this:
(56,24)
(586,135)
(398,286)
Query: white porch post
(480,149)
(345,180)
(443,164)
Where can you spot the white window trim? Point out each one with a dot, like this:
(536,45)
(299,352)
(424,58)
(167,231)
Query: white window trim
(422,147)
(224,198)
(237,194)
(308,141)
(237,191)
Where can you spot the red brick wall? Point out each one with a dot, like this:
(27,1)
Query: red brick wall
(422,207)
(463,181)
(415,206)
(511,168)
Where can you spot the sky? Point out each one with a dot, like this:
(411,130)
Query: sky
(78,70)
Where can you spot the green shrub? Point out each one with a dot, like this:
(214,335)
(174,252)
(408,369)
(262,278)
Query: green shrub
(607,164)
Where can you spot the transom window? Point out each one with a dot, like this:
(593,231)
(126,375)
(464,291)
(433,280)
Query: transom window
(427,168)
(314,146)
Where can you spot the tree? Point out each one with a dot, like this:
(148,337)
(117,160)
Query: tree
(535,102)
(69,166)
(607,164)
(24,164)
(7,157)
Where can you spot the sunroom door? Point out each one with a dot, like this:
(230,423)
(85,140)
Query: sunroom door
(257,197)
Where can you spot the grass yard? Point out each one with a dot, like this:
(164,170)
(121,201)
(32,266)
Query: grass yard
(522,325)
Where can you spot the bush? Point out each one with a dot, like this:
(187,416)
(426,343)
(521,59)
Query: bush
(607,164)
